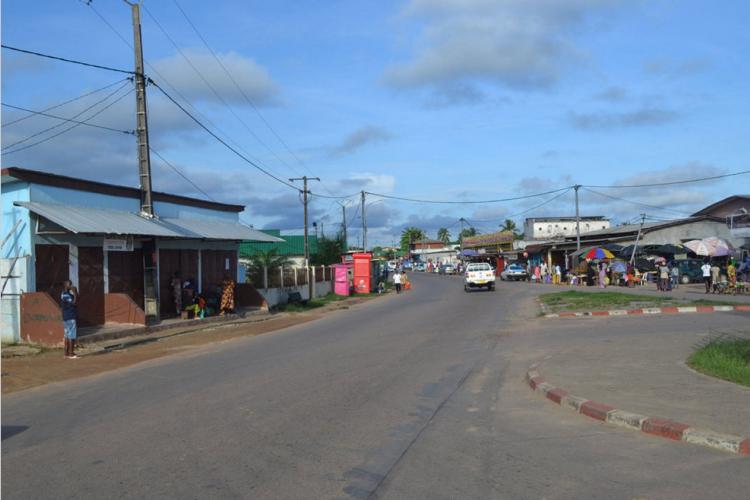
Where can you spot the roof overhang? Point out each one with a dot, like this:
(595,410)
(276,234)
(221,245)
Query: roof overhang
(85,220)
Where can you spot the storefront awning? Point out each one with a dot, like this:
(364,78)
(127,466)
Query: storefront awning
(85,220)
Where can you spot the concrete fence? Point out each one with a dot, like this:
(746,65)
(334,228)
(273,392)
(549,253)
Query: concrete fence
(275,285)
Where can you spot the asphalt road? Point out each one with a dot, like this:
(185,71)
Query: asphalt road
(412,396)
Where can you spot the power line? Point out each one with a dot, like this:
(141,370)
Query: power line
(103,127)
(672,183)
(222,141)
(36,134)
(179,172)
(59,105)
(414,200)
(550,200)
(636,202)
(71,127)
(243,93)
(64,59)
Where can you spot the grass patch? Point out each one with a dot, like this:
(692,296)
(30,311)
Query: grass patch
(587,301)
(727,359)
(312,304)
(574,300)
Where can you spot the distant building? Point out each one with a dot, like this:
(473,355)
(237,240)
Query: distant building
(735,210)
(550,228)
(292,247)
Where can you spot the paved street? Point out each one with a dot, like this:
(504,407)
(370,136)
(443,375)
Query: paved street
(419,395)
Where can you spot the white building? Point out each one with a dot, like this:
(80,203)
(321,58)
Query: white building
(550,228)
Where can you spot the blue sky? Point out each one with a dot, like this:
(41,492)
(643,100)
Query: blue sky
(432,99)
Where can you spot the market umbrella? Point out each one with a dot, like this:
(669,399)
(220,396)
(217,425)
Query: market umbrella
(613,247)
(598,253)
(619,266)
(710,247)
(669,249)
(628,250)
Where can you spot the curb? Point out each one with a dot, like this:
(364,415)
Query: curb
(650,425)
(651,310)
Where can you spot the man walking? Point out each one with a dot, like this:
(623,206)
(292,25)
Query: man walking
(397,280)
(706,269)
(69,303)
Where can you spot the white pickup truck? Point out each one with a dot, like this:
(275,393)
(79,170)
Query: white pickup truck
(479,274)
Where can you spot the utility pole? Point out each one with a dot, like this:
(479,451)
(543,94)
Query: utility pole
(305,193)
(461,237)
(343,226)
(141,129)
(364,225)
(637,238)
(578,219)
(150,278)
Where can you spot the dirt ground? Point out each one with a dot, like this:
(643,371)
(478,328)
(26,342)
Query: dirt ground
(20,373)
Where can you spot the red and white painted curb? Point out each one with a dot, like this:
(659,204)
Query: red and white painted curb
(650,425)
(652,310)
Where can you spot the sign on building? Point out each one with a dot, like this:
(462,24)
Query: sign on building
(118,244)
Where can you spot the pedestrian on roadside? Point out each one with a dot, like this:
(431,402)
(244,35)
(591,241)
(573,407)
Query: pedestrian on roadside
(706,269)
(664,276)
(226,304)
(715,276)
(538,274)
(675,275)
(69,304)
(602,275)
(557,279)
(397,281)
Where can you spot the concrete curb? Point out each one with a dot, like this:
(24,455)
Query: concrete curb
(651,310)
(650,425)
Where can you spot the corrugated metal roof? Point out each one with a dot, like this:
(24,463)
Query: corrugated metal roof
(87,220)
(220,230)
(290,245)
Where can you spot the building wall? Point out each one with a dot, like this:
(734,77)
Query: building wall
(540,230)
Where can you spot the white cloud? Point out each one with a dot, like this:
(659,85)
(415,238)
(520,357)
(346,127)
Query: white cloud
(251,77)
(361,137)
(515,43)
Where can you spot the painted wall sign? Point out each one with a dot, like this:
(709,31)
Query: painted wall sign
(118,245)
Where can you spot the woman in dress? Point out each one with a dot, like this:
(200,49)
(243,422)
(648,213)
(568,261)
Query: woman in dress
(602,275)
(227,295)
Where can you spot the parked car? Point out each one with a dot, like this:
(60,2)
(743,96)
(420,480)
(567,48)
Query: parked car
(514,272)
(690,270)
(420,266)
(407,265)
(479,275)
(449,269)
(392,264)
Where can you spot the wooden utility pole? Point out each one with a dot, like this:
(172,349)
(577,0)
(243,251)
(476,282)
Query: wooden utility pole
(364,225)
(578,219)
(343,225)
(305,193)
(141,117)
(461,238)
(637,238)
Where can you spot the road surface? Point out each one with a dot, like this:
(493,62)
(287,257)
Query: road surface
(418,395)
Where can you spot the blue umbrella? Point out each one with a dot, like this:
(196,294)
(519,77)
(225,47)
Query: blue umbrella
(619,266)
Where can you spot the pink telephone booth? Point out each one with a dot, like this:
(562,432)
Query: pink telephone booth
(362,272)
(341,279)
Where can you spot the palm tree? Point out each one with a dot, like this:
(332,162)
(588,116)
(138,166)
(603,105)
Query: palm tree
(268,259)
(409,235)
(467,233)
(443,235)
(509,225)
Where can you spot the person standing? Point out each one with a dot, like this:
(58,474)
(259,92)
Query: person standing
(227,295)
(602,275)
(397,281)
(664,276)
(715,275)
(706,269)
(69,304)
(176,286)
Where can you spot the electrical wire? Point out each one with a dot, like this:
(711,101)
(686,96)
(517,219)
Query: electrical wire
(71,127)
(247,98)
(61,104)
(64,59)
(103,127)
(672,183)
(550,200)
(222,141)
(36,134)
(179,172)
(500,200)
(617,198)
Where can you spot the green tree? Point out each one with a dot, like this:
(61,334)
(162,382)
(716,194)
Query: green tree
(329,251)
(509,225)
(265,258)
(444,235)
(409,235)
(467,233)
